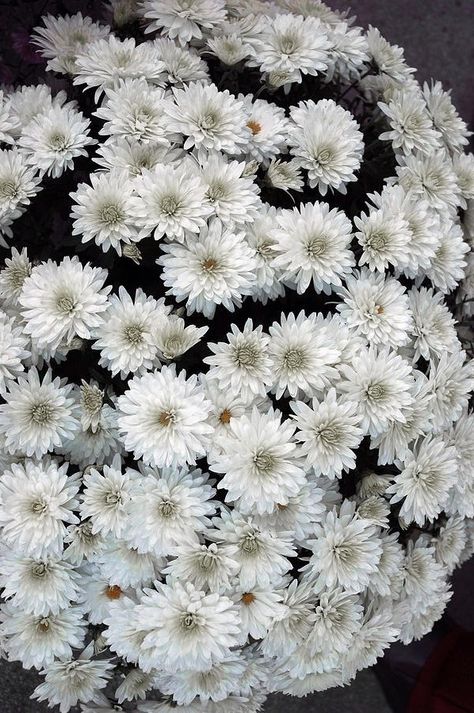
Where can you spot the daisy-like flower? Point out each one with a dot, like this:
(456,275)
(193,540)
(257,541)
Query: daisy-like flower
(214,684)
(302,510)
(293,45)
(135,685)
(259,608)
(36,640)
(433,325)
(184,20)
(229,48)
(380,382)
(329,433)
(290,630)
(9,124)
(206,566)
(134,110)
(426,478)
(104,62)
(68,682)
(106,496)
(389,59)
(187,629)
(104,211)
(62,301)
(447,268)
(13,349)
(376,307)
(233,197)
(410,122)
(27,102)
(39,586)
(173,338)
(337,619)
(384,237)
(61,38)
(451,542)
(463,166)
(377,632)
(135,157)
(162,416)
(348,52)
(181,65)
(215,268)
(38,414)
(94,444)
(54,139)
(431,178)
(387,580)
(260,462)
(18,184)
(313,245)
(303,356)
(81,544)
(261,554)
(124,565)
(127,337)
(259,236)
(208,118)
(445,118)
(36,500)
(172,508)
(346,550)
(242,364)
(268,126)
(170,201)
(17,268)
(450,382)
(326,141)
(285,175)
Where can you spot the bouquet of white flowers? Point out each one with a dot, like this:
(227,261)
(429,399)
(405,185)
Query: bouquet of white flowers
(236,452)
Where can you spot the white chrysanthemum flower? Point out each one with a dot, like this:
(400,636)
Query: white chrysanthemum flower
(38,415)
(170,509)
(127,567)
(127,338)
(377,632)
(214,684)
(97,595)
(387,580)
(54,139)
(17,268)
(463,166)
(260,462)
(135,685)
(433,325)
(427,474)
(445,118)
(206,566)
(411,125)
(242,364)
(381,383)
(285,175)
(329,433)
(450,383)
(95,445)
(27,102)
(184,20)
(290,630)
(215,268)
(38,586)
(162,416)
(376,307)
(293,45)
(259,608)
(346,550)
(232,195)
(303,356)
(91,402)
(67,682)
(326,141)
(230,49)
(173,338)
(62,38)
(336,621)
(259,236)
(134,110)
(81,544)
(9,124)
(208,118)
(187,629)
(106,61)
(104,211)
(63,301)
(262,554)
(36,500)
(268,126)
(388,58)
(18,183)
(431,178)
(313,245)
(170,201)
(13,349)
(348,51)
(450,543)
(37,640)
(134,157)
(106,496)
(181,65)
(423,577)
(447,268)
(384,237)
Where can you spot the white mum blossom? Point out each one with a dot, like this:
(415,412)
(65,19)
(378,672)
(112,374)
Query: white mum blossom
(183,20)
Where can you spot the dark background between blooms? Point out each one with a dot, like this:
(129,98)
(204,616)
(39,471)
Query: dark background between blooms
(438,37)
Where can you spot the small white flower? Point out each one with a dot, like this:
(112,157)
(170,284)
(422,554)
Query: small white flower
(447,267)
(233,197)
(433,326)
(17,268)
(431,178)
(18,183)
(285,175)
(181,65)
(13,350)
(184,20)
(206,566)
(384,237)
(445,117)
(411,125)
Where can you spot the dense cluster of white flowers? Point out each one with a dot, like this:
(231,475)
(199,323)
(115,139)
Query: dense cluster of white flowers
(196,524)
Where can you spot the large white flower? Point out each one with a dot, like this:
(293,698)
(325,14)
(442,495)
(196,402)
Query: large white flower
(162,417)
(329,432)
(326,141)
(450,383)
(445,118)
(337,619)
(187,629)
(268,125)
(206,566)
(181,65)
(38,414)
(183,20)
(63,301)
(433,325)
(232,195)
(36,500)
(259,462)
(215,268)
(410,122)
